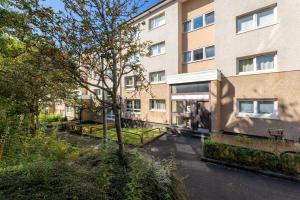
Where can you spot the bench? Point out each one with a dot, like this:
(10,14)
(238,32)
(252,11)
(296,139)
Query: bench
(276,133)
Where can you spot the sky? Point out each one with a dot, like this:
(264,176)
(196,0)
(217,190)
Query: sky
(57,5)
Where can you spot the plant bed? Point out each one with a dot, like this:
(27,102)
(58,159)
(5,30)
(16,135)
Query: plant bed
(287,163)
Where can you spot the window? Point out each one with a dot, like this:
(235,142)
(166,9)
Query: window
(187,56)
(157,77)
(256,20)
(158,49)
(199,22)
(133,106)
(190,88)
(246,107)
(157,105)
(129,82)
(256,64)
(210,52)
(187,26)
(257,108)
(210,18)
(199,54)
(157,21)
(97,92)
(69,109)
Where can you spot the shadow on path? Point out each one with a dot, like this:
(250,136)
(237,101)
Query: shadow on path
(206,181)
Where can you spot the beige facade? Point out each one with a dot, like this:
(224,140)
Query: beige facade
(282,87)
(157,91)
(188,68)
(280,84)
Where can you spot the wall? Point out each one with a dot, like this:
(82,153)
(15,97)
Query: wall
(283,86)
(198,38)
(282,37)
(159,91)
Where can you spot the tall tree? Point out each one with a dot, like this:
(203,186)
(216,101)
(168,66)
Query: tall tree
(27,73)
(98,37)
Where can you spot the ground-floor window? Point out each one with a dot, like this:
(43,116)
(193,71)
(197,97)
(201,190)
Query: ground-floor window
(133,106)
(157,105)
(257,108)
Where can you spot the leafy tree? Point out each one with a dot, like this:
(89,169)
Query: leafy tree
(97,36)
(28,76)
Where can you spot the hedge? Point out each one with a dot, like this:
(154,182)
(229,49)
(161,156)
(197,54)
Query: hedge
(288,163)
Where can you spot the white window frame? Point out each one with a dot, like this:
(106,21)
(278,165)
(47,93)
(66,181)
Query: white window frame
(133,102)
(155,105)
(100,92)
(204,54)
(130,87)
(157,74)
(255,113)
(204,22)
(255,70)
(155,18)
(255,19)
(157,45)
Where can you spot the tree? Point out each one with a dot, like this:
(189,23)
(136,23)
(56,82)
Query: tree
(98,36)
(28,75)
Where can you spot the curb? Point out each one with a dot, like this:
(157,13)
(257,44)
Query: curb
(263,172)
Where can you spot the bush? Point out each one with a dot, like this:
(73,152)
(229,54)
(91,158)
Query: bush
(143,178)
(287,163)
(51,118)
(47,168)
(291,163)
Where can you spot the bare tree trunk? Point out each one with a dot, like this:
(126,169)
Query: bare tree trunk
(119,132)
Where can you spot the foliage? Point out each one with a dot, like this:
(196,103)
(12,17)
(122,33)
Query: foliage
(287,163)
(142,179)
(47,168)
(51,118)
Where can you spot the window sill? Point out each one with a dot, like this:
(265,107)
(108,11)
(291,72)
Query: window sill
(160,111)
(158,83)
(257,28)
(156,27)
(129,89)
(135,113)
(157,55)
(185,63)
(197,29)
(257,72)
(257,116)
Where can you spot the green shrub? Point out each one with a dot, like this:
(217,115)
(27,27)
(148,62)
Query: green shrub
(287,163)
(291,163)
(51,118)
(47,168)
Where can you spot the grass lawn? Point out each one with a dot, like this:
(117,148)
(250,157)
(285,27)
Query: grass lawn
(130,135)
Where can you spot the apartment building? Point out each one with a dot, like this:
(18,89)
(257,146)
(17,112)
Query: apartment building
(257,54)
(227,65)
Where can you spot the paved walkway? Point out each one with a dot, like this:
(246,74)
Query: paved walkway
(206,181)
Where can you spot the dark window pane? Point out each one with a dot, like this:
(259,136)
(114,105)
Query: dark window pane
(190,88)
(198,54)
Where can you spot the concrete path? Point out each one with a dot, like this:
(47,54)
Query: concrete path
(206,181)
